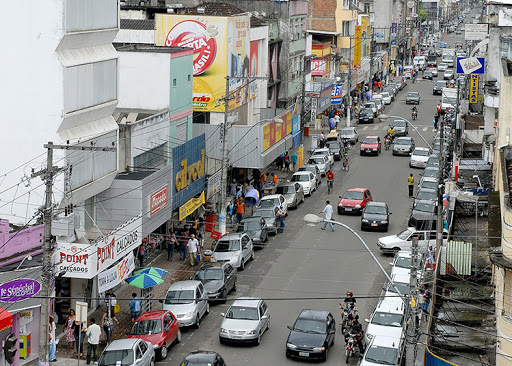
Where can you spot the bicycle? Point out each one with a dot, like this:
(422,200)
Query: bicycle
(345,163)
(330,184)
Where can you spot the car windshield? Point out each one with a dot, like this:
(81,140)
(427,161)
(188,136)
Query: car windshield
(403,262)
(252,226)
(424,195)
(428,185)
(333,145)
(429,173)
(382,355)
(402,142)
(227,246)
(270,202)
(310,326)
(425,207)
(404,235)
(143,327)
(300,178)
(208,274)
(451,101)
(399,123)
(370,140)
(420,152)
(403,287)
(241,312)
(376,210)
(179,297)
(366,111)
(370,104)
(353,195)
(387,319)
(117,357)
(264,213)
(285,189)
(413,94)
(443,65)
(347,132)
(317,160)
(385,94)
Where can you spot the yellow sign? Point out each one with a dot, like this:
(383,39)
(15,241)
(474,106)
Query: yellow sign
(221,47)
(357,47)
(473,89)
(300,156)
(191,205)
(189,173)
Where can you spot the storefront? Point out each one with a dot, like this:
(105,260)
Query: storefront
(20,311)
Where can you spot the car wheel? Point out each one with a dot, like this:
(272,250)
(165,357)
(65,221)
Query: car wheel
(178,337)
(242,265)
(221,340)
(152,363)
(207,311)
(265,239)
(198,321)
(258,339)
(252,256)
(268,323)
(395,250)
(325,354)
(163,352)
(360,153)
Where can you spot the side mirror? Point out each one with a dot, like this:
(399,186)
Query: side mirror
(289,327)
(264,317)
(391,213)
(161,301)
(223,314)
(367,320)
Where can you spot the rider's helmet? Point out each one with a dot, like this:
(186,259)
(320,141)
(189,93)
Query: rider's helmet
(350,293)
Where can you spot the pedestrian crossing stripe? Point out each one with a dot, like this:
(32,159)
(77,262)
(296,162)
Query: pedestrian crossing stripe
(385,128)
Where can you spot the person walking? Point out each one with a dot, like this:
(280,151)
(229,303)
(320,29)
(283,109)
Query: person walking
(379,85)
(135,305)
(294,162)
(93,339)
(328,215)
(321,140)
(286,162)
(230,210)
(410,182)
(171,245)
(110,301)
(192,246)
(281,215)
(438,109)
(68,329)
(79,334)
(332,122)
(141,253)
(275,180)
(107,321)
(52,347)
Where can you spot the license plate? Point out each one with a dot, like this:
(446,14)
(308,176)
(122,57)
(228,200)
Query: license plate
(235,337)
(368,150)
(304,354)
(374,224)
(348,209)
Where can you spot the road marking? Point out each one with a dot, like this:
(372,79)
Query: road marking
(376,128)
(425,129)
(365,128)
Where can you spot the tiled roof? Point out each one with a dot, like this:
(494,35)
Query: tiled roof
(141,24)
(212,9)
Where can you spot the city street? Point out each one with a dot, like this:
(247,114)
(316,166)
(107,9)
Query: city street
(306,262)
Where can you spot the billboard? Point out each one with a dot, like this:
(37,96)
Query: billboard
(336,94)
(470,65)
(253,86)
(473,89)
(221,47)
(319,66)
(475,32)
(357,46)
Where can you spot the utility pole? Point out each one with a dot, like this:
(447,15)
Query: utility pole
(412,329)
(349,86)
(224,166)
(439,224)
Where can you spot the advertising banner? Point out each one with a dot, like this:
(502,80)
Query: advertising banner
(475,32)
(20,291)
(253,86)
(470,65)
(158,200)
(337,90)
(300,156)
(221,47)
(357,46)
(266,136)
(295,124)
(191,205)
(112,277)
(319,66)
(74,260)
(473,89)
(288,124)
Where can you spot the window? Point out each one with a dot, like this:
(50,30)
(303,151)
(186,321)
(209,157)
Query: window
(90,15)
(167,327)
(189,78)
(174,82)
(152,158)
(345,31)
(367,8)
(138,352)
(198,293)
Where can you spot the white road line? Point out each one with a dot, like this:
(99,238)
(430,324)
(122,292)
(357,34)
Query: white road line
(425,129)
(365,128)
(376,128)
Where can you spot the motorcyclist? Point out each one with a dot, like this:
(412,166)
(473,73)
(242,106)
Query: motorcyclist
(350,299)
(414,111)
(330,177)
(391,132)
(357,332)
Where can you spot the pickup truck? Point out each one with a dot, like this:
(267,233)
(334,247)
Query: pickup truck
(403,241)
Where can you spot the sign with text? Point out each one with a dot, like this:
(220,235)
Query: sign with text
(314,105)
(18,290)
(319,66)
(473,89)
(112,277)
(337,91)
(357,46)
(191,205)
(213,185)
(470,65)
(158,200)
(74,260)
(475,32)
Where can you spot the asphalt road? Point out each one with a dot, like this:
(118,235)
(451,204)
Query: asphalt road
(306,262)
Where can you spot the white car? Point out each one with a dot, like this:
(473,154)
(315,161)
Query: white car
(442,67)
(403,261)
(384,351)
(274,200)
(448,75)
(403,241)
(419,157)
(322,162)
(434,71)
(307,180)
(388,319)
(235,248)
(325,151)
(402,281)
(386,98)
(188,301)
(408,70)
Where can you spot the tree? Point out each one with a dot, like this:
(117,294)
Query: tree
(422,14)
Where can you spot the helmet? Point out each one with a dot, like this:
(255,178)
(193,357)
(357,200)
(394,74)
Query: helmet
(350,293)
(356,317)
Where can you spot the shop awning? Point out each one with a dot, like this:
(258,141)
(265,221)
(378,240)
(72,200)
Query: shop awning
(5,319)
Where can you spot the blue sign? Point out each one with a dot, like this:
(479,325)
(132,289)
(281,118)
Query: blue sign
(393,42)
(337,91)
(470,65)
(296,140)
(189,170)
(295,124)
(394,27)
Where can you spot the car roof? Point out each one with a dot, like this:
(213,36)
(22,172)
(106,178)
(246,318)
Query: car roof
(371,136)
(153,314)
(421,149)
(231,236)
(204,356)
(404,138)
(184,285)
(251,302)
(313,314)
(356,189)
(426,202)
(401,277)
(215,264)
(324,149)
(250,218)
(271,196)
(120,344)
(384,341)
(393,305)
(403,253)
(302,172)
(429,179)
(429,190)
(377,203)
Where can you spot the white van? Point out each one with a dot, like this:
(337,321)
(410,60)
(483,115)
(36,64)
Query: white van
(388,319)
(420,62)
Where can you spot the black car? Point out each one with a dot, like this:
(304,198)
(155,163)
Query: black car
(375,216)
(427,75)
(203,358)
(334,148)
(438,87)
(423,215)
(256,228)
(311,335)
(218,278)
(366,115)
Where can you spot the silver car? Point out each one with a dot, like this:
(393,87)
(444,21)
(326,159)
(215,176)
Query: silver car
(274,200)
(245,321)
(188,301)
(322,162)
(235,248)
(403,146)
(292,192)
(128,352)
(350,134)
(313,169)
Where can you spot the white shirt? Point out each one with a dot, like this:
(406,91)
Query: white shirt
(94,332)
(192,245)
(52,331)
(337,118)
(328,212)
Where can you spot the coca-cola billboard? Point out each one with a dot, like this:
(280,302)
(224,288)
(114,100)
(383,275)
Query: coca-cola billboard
(158,200)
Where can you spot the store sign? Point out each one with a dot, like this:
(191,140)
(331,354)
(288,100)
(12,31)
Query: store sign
(111,277)
(191,205)
(357,46)
(318,66)
(473,89)
(314,105)
(470,65)
(158,200)
(189,172)
(337,91)
(18,290)
(214,184)
(475,32)
(73,260)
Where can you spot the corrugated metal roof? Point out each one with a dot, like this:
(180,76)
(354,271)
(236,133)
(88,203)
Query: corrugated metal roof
(140,24)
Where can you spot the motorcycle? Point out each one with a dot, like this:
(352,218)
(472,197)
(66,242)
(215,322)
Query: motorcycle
(351,348)
(387,142)
(347,314)
(414,115)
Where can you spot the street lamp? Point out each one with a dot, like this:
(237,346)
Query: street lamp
(313,220)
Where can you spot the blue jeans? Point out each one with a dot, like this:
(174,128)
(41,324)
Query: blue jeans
(52,349)
(281,220)
(328,223)
(183,252)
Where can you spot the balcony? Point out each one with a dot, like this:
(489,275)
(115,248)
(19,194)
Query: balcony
(345,15)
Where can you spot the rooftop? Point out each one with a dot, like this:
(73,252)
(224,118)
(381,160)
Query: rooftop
(150,48)
(139,24)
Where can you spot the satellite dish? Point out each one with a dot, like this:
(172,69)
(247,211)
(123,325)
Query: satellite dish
(410,4)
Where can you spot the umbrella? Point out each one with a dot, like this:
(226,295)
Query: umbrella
(153,271)
(144,280)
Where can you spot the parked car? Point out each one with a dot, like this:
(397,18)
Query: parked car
(292,192)
(386,97)
(402,81)
(256,228)
(402,281)
(124,352)
(313,169)
(160,328)
(218,279)
(428,183)
(235,248)
(403,240)
(434,71)
(322,162)
(402,263)
(423,214)
(354,200)
(384,351)
(403,146)
(427,75)
(350,134)
(326,152)
(311,336)
(390,91)
(268,214)
(419,157)
(372,106)
(401,127)
(388,318)
(335,149)
(426,194)
(375,216)
(203,358)
(306,179)
(188,301)
(245,321)
(430,172)
(448,75)
(370,145)
(412,98)
(379,103)
(366,115)
(438,87)
(274,200)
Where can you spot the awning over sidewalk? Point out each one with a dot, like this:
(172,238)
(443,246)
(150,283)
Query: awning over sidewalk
(5,319)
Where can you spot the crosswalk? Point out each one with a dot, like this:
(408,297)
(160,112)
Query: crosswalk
(384,127)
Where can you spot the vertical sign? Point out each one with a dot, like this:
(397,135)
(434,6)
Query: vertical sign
(357,47)
(336,94)
(394,28)
(314,104)
(473,89)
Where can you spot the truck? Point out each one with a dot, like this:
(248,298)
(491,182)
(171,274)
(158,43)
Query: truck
(448,98)
(432,60)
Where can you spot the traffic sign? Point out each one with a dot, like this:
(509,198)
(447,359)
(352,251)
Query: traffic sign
(470,65)
(393,42)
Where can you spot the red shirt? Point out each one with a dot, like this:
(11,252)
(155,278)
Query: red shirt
(330,176)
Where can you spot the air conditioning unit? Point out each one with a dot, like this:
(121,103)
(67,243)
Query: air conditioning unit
(269,103)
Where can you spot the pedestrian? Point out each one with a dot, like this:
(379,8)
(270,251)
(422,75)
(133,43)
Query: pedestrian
(240,209)
(368,95)
(294,161)
(68,329)
(93,339)
(275,180)
(263,180)
(286,162)
(321,139)
(79,334)
(434,122)
(230,211)
(238,190)
(171,245)
(375,84)
(438,108)
(52,347)
(141,253)
(410,181)
(135,305)
(426,295)
(431,258)
(107,321)
(332,123)
(192,246)
(337,118)
(110,301)
(379,84)
(232,188)
(183,245)
(281,215)
(328,215)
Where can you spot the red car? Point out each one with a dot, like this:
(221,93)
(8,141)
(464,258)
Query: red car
(158,327)
(370,145)
(354,200)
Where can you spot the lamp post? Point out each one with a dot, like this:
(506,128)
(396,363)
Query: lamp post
(313,220)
